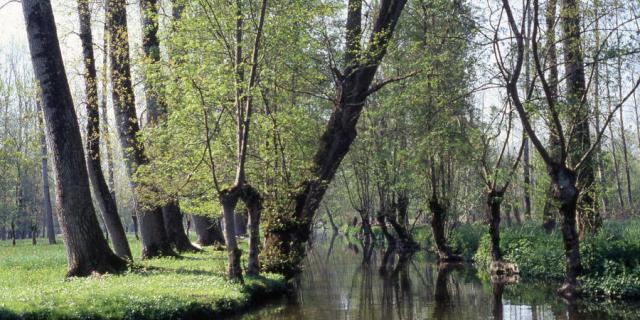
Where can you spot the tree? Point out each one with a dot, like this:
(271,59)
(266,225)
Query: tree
(151,223)
(87,250)
(563,171)
(46,195)
(156,111)
(284,247)
(103,196)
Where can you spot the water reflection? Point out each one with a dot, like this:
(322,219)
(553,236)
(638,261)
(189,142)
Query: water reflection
(343,280)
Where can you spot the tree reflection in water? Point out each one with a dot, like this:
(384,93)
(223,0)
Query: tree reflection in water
(346,279)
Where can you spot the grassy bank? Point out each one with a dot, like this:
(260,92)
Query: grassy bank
(32,286)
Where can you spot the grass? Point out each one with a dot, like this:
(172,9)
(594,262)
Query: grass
(610,258)
(33,286)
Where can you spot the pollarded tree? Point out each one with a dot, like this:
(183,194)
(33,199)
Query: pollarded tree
(87,250)
(564,171)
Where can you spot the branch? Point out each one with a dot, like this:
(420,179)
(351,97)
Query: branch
(377,86)
(606,123)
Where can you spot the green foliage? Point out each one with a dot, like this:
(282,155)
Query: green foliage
(610,259)
(192,287)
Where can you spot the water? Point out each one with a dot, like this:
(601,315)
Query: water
(336,285)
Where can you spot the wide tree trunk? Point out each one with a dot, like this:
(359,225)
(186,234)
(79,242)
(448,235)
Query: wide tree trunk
(284,247)
(208,230)
(86,248)
(100,189)
(46,195)
(151,223)
(175,228)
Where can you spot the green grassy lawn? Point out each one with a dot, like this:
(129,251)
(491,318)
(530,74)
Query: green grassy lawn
(33,286)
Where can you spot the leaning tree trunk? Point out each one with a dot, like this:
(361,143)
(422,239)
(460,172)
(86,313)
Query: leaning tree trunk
(437,228)
(175,228)
(86,248)
(208,230)
(100,189)
(46,196)
(151,223)
(284,247)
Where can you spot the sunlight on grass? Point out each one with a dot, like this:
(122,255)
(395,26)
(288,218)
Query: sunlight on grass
(32,285)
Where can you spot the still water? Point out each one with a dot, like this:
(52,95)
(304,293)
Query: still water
(338,283)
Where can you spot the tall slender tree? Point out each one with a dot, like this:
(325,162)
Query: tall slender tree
(151,223)
(100,189)
(156,111)
(46,195)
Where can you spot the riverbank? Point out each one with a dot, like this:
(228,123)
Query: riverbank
(33,286)
(610,258)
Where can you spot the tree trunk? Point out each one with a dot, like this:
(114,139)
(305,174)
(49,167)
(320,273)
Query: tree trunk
(526,168)
(550,211)
(494,200)
(86,248)
(46,195)
(614,152)
(228,200)
(438,219)
(566,194)
(151,223)
(208,231)
(175,229)
(588,214)
(284,247)
(101,191)
(253,201)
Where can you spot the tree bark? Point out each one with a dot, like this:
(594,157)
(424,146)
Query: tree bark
(151,223)
(86,248)
(566,194)
(253,200)
(228,199)
(208,230)
(494,200)
(550,210)
(588,215)
(46,195)
(437,228)
(284,246)
(175,228)
(96,177)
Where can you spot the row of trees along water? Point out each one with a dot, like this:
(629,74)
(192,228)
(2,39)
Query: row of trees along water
(288,114)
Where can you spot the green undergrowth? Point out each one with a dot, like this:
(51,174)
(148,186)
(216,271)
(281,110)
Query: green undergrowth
(610,258)
(33,286)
